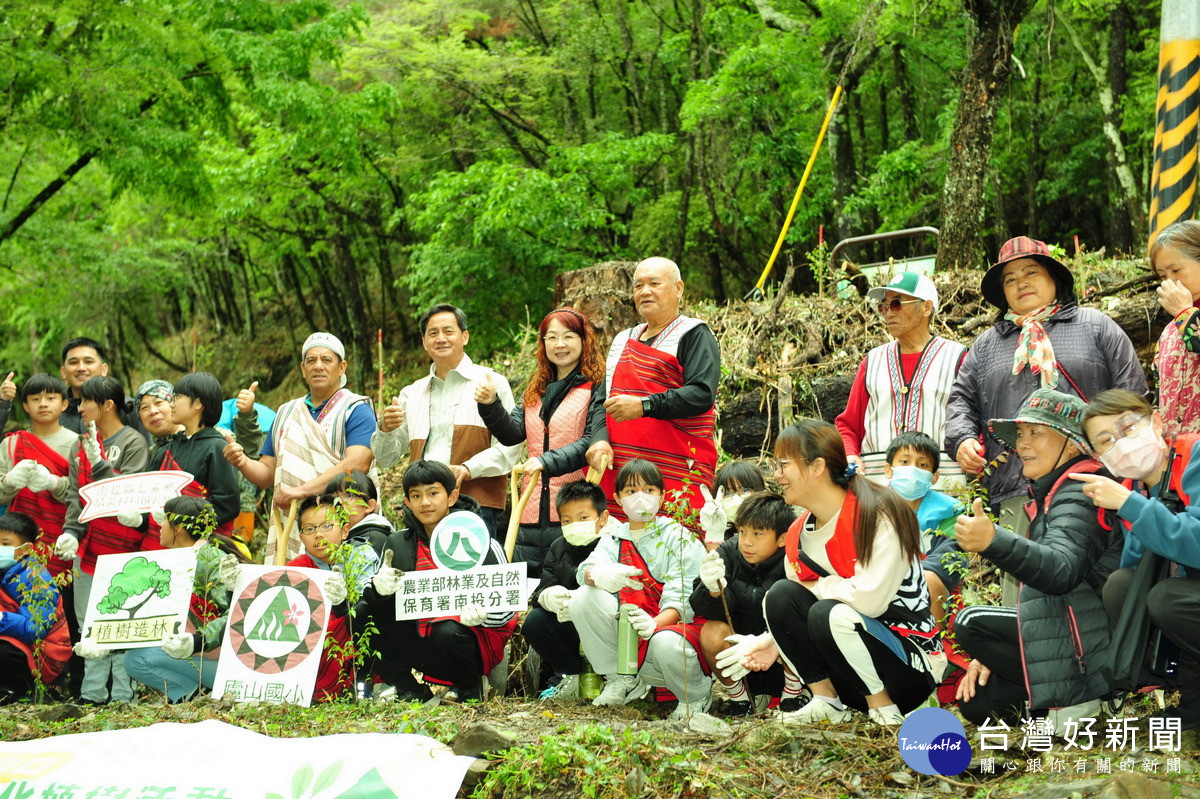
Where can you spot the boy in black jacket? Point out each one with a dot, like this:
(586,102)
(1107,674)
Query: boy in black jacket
(583,511)
(744,567)
(458,649)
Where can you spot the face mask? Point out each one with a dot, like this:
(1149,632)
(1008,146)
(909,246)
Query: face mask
(730,503)
(1135,457)
(641,507)
(580,534)
(911,482)
(8,556)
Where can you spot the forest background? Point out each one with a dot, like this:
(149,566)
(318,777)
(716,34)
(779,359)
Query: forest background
(201,184)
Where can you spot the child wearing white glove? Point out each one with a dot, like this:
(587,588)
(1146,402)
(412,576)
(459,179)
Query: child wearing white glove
(583,514)
(187,660)
(733,482)
(649,562)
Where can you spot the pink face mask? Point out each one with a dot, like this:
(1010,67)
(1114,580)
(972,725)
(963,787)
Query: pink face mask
(641,507)
(1137,456)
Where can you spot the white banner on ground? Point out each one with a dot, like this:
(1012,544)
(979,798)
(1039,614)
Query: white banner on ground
(142,492)
(175,761)
(432,593)
(138,597)
(275,636)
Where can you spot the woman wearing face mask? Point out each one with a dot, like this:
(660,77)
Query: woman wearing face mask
(553,421)
(1048,650)
(650,562)
(1154,503)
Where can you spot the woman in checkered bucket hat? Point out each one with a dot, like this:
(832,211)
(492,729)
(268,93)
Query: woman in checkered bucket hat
(1048,652)
(1041,339)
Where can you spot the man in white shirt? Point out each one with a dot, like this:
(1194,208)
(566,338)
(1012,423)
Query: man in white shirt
(436,418)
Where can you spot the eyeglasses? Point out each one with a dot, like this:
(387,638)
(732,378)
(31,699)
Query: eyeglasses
(313,529)
(894,305)
(1126,426)
(777,464)
(565,338)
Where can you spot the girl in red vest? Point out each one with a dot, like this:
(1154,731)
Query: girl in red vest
(852,620)
(1160,479)
(554,421)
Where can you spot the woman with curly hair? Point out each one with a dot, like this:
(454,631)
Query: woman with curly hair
(553,420)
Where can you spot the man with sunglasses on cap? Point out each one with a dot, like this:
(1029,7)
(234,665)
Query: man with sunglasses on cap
(902,386)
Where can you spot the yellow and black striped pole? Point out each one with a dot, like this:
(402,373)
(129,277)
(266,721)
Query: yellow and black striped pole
(1173,186)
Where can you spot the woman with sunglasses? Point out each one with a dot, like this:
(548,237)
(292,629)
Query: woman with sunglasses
(553,420)
(1159,479)
(902,386)
(1041,338)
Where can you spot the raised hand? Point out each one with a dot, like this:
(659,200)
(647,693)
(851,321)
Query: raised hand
(245,398)
(387,579)
(8,389)
(392,417)
(485,392)
(975,531)
(91,444)
(713,519)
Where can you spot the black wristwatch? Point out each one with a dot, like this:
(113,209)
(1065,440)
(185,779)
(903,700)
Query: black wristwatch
(646,406)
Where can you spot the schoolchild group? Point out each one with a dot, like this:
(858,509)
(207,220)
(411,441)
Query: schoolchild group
(823,585)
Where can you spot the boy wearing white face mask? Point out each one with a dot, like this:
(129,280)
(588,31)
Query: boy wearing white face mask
(650,562)
(911,468)
(547,627)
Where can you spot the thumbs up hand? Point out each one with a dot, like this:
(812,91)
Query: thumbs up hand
(393,417)
(245,398)
(485,392)
(8,389)
(975,531)
(387,579)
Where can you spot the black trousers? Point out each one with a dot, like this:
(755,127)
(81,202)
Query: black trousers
(449,653)
(556,641)
(15,675)
(1174,606)
(989,634)
(800,624)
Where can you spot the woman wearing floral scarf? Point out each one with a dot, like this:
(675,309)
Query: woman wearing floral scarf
(1041,339)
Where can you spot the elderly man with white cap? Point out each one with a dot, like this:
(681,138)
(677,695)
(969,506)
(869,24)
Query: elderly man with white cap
(902,386)
(316,437)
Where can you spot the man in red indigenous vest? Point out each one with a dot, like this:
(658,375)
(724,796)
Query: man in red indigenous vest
(661,386)
(34,465)
(437,419)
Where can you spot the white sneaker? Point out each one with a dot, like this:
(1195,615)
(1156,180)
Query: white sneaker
(815,711)
(620,689)
(567,688)
(685,710)
(886,718)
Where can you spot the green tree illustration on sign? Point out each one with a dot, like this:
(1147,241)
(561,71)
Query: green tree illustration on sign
(140,578)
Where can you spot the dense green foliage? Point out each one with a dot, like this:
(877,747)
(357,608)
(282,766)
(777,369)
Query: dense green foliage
(255,169)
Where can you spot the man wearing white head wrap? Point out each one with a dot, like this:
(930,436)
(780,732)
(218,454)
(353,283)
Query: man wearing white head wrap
(316,437)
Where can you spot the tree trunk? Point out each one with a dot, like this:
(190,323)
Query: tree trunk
(989,64)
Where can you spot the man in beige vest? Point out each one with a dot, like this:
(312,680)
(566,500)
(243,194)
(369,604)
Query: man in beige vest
(436,418)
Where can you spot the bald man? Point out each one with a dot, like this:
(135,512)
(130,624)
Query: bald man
(660,390)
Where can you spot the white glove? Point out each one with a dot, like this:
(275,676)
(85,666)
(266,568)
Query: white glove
(387,579)
(612,577)
(159,515)
(66,547)
(713,519)
(227,570)
(91,444)
(554,598)
(712,572)
(731,662)
(41,479)
(473,615)
(129,518)
(335,589)
(564,613)
(88,649)
(642,622)
(180,647)
(20,474)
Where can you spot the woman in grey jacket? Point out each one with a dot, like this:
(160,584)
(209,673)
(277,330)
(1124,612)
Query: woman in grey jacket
(1048,650)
